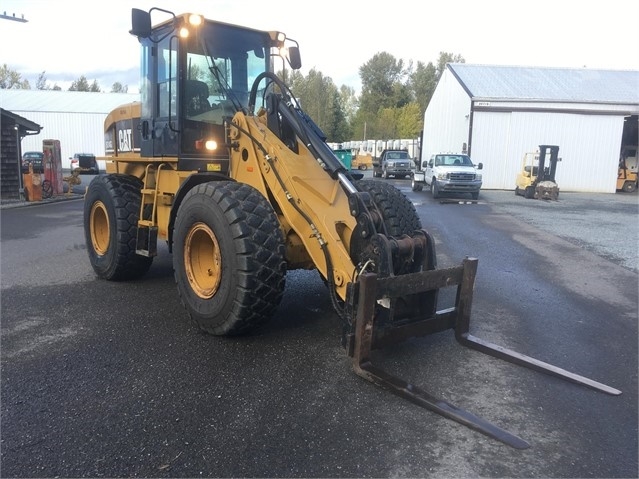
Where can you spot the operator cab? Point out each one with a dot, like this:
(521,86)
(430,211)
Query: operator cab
(196,74)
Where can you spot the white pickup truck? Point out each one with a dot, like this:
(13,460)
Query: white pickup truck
(448,173)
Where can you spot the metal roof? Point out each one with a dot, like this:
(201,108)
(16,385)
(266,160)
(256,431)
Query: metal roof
(27,126)
(63,101)
(581,85)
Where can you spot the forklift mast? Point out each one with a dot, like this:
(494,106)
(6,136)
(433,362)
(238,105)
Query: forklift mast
(547,173)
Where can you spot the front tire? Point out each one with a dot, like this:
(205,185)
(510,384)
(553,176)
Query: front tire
(228,257)
(629,186)
(415,186)
(434,190)
(111,213)
(398,212)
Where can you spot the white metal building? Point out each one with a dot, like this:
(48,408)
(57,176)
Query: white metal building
(74,118)
(498,113)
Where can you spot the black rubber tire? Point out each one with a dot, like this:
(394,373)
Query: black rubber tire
(398,212)
(629,186)
(529,192)
(242,229)
(414,185)
(433,189)
(47,189)
(474,196)
(111,212)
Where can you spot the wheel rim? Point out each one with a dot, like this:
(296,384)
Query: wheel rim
(99,223)
(203,261)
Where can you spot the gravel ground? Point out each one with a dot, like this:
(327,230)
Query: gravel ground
(605,224)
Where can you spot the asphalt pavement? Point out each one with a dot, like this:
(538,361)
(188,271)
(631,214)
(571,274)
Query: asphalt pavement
(103,379)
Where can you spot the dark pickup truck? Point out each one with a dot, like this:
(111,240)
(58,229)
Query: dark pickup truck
(395,163)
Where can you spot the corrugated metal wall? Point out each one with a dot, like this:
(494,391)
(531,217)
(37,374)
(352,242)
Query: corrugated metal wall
(589,146)
(77,132)
(447,118)
(75,118)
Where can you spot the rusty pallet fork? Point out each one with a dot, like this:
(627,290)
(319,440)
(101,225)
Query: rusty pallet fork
(375,327)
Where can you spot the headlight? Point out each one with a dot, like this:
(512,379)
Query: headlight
(442,176)
(478,176)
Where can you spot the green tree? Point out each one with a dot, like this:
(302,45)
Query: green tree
(423,82)
(382,80)
(445,57)
(82,84)
(322,101)
(12,80)
(384,86)
(409,120)
(41,84)
(117,87)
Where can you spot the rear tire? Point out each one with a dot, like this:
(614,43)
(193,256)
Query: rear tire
(111,212)
(228,257)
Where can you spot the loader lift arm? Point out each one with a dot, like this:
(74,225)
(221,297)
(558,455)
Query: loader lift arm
(412,293)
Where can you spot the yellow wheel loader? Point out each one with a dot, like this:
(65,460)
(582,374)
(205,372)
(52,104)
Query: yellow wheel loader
(219,161)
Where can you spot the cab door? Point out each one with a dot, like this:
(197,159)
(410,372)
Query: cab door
(427,166)
(159,98)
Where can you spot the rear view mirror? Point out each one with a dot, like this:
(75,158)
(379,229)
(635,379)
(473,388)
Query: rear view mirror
(140,23)
(480,166)
(294,58)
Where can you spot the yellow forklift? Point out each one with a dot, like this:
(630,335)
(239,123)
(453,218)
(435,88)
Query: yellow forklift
(536,180)
(627,173)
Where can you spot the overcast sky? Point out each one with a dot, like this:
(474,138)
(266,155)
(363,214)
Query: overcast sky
(68,39)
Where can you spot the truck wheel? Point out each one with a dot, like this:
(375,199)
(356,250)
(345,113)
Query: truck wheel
(415,185)
(629,186)
(398,212)
(385,175)
(228,257)
(111,212)
(434,190)
(474,196)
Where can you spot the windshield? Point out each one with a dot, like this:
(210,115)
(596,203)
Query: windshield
(453,160)
(397,155)
(222,63)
